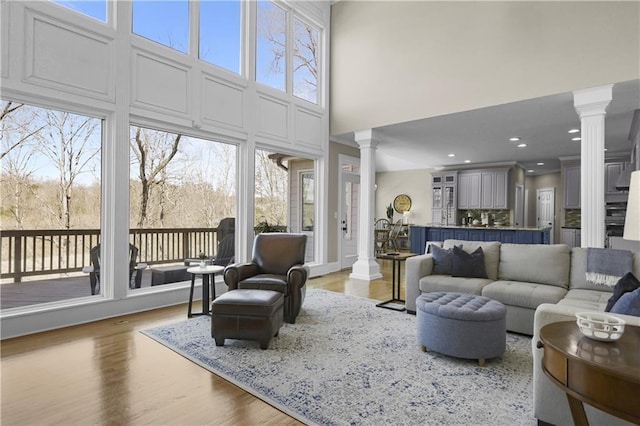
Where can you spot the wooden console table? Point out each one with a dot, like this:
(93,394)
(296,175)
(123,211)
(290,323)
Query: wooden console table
(605,375)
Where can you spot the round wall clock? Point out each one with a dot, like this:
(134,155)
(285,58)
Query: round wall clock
(402,203)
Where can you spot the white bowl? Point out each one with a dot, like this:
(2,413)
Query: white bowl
(600,326)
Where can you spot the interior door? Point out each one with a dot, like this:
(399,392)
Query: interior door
(349,219)
(519,213)
(546,210)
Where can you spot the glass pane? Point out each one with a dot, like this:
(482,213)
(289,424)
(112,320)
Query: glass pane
(271,45)
(305,61)
(307,201)
(220,33)
(51,195)
(94,8)
(271,189)
(165,22)
(181,188)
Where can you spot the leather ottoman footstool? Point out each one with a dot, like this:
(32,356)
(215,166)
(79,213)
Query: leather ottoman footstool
(461,325)
(247,315)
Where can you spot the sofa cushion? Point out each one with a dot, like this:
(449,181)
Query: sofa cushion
(445,283)
(442,260)
(523,294)
(581,305)
(491,250)
(468,265)
(626,284)
(591,296)
(535,263)
(628,304)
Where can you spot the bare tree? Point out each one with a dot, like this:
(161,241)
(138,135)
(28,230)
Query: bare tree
(15,129)
(153,150)
(270,190)
(71,142)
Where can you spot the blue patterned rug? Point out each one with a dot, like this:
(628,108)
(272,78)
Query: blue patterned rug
(346,362)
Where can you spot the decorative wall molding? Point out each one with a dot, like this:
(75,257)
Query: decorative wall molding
(65,57)
(149,72)
(223,102)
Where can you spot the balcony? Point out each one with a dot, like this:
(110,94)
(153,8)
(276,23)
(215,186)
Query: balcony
(40,266)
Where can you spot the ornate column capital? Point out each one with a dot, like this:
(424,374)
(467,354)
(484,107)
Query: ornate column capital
(592,101)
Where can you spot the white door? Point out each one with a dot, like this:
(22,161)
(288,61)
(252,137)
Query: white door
(546,209)
(348,223)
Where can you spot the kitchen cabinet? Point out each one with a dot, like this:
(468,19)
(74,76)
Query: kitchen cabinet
(570,237)
(571,185)
(469,190)
(483,189)
(444,197)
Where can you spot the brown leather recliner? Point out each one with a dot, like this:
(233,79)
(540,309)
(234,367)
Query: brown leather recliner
(277,264)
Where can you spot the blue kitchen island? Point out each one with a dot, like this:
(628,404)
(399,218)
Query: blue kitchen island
(419,235)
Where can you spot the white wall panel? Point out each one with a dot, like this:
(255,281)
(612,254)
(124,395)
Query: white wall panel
(222,102)
(160,83)
(66,57)
(4,39)
(272,117)
(308,128)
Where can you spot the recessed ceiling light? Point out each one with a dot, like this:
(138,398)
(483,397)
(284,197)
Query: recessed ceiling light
(605,149)
(576,138)
(452,155)
(574,131)
(514,139)
(530,171)
(522,145)
(540,164)
(467,161)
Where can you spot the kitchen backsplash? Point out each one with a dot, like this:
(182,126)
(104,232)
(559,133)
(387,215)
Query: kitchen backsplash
(572,218)
(498,215)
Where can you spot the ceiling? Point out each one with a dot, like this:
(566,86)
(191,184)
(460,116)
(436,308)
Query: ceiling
(482,136)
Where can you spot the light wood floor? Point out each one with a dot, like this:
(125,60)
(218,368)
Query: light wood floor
(108,373)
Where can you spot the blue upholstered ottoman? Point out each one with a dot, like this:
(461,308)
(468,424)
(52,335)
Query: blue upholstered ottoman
(461,325)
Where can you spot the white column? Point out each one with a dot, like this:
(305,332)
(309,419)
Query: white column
(366,267)
(591,104)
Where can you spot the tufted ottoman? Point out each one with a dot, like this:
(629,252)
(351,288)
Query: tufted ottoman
(461,325)
(247,315)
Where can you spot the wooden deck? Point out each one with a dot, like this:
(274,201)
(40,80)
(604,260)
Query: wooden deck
(27,293)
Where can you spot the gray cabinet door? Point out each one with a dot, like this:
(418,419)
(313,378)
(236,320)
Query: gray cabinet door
(501,190)
(486,201)
(611,173)
(572,187)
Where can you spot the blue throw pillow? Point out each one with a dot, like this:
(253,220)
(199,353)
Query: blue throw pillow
(442,260)
(468,265)
(628,304)
(627,283)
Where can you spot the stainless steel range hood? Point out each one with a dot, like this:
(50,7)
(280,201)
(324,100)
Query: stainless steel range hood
(624,178)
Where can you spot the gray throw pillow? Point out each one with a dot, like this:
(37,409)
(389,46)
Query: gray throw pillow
(468,265)
(628,304)
(627,283)
(442,260)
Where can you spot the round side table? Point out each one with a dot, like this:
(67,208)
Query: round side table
(208,276)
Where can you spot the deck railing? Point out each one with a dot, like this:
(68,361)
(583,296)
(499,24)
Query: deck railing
(42,252)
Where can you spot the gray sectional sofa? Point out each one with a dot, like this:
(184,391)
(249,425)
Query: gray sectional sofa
(539,284)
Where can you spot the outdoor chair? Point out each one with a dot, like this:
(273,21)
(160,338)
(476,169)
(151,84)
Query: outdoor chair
(226,251)
(277,264)
(227,226)
(135,269)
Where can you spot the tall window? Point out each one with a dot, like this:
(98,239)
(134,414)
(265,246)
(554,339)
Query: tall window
(165,22)
(271,61)
(94,8)
(305,61)
(180,188)
(50,203)
(220,33)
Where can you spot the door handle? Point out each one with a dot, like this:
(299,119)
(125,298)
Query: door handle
(344,225)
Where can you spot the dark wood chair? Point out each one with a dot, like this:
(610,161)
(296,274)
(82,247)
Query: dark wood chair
(135,269)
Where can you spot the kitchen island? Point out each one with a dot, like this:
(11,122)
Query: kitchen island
(419,235)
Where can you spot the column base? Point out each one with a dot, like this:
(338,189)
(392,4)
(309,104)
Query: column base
(365,269)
